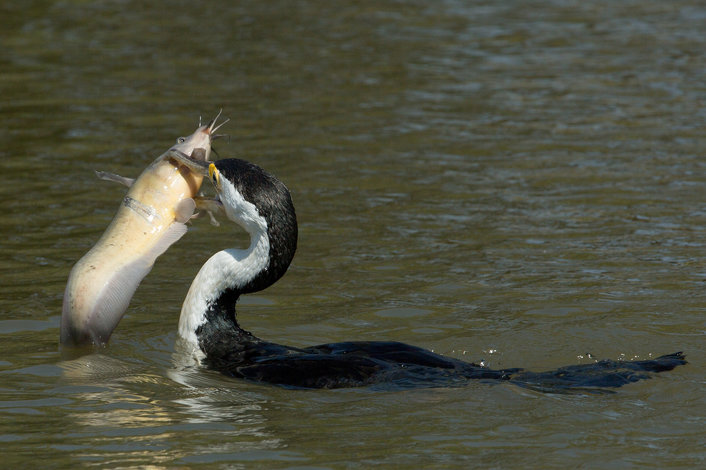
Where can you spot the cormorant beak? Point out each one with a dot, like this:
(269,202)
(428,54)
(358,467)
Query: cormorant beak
(214,175)
(200,167)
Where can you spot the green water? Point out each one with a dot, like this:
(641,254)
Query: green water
(518,183)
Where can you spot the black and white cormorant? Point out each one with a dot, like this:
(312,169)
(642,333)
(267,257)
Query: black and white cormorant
(261,204)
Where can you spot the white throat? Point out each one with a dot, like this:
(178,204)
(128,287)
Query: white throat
(230,268)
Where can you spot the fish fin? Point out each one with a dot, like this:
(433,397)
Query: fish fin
(198,215)
(214,222)
(184,210)
(115,299)
(117,294)
(211,206)
(208,204)
(171,236)
(104,175)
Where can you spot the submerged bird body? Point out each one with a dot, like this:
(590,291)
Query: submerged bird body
(262,205)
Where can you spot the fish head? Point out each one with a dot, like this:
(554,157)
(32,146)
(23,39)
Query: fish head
(198,144)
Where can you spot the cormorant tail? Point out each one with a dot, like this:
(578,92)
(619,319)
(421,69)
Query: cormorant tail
(598,377)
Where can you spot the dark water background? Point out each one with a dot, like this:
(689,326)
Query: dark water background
(519,182)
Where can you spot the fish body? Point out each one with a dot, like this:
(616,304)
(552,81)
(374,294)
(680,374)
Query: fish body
(150,219)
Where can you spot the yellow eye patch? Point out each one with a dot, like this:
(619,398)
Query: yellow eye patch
(214,175)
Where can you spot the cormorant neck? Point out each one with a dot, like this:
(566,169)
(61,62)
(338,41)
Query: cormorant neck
(220,282)
(262,205)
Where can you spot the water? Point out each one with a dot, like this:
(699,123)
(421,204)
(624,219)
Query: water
(490,180)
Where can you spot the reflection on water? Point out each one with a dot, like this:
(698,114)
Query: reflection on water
(494,182)
(135,415)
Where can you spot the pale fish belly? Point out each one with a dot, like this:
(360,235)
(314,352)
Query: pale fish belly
(150,219)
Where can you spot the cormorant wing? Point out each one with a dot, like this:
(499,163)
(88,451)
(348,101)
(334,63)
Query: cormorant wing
(312,371)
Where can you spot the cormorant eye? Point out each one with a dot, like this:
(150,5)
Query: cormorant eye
(181,140)
(214,175)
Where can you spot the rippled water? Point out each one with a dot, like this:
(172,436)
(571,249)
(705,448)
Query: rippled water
(517,183)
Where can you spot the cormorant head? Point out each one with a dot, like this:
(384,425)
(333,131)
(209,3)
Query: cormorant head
(262,205)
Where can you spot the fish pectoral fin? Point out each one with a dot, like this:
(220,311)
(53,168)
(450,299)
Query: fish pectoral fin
(208,204)
(104,175)
(211,206)
(214,222)
(184,210)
